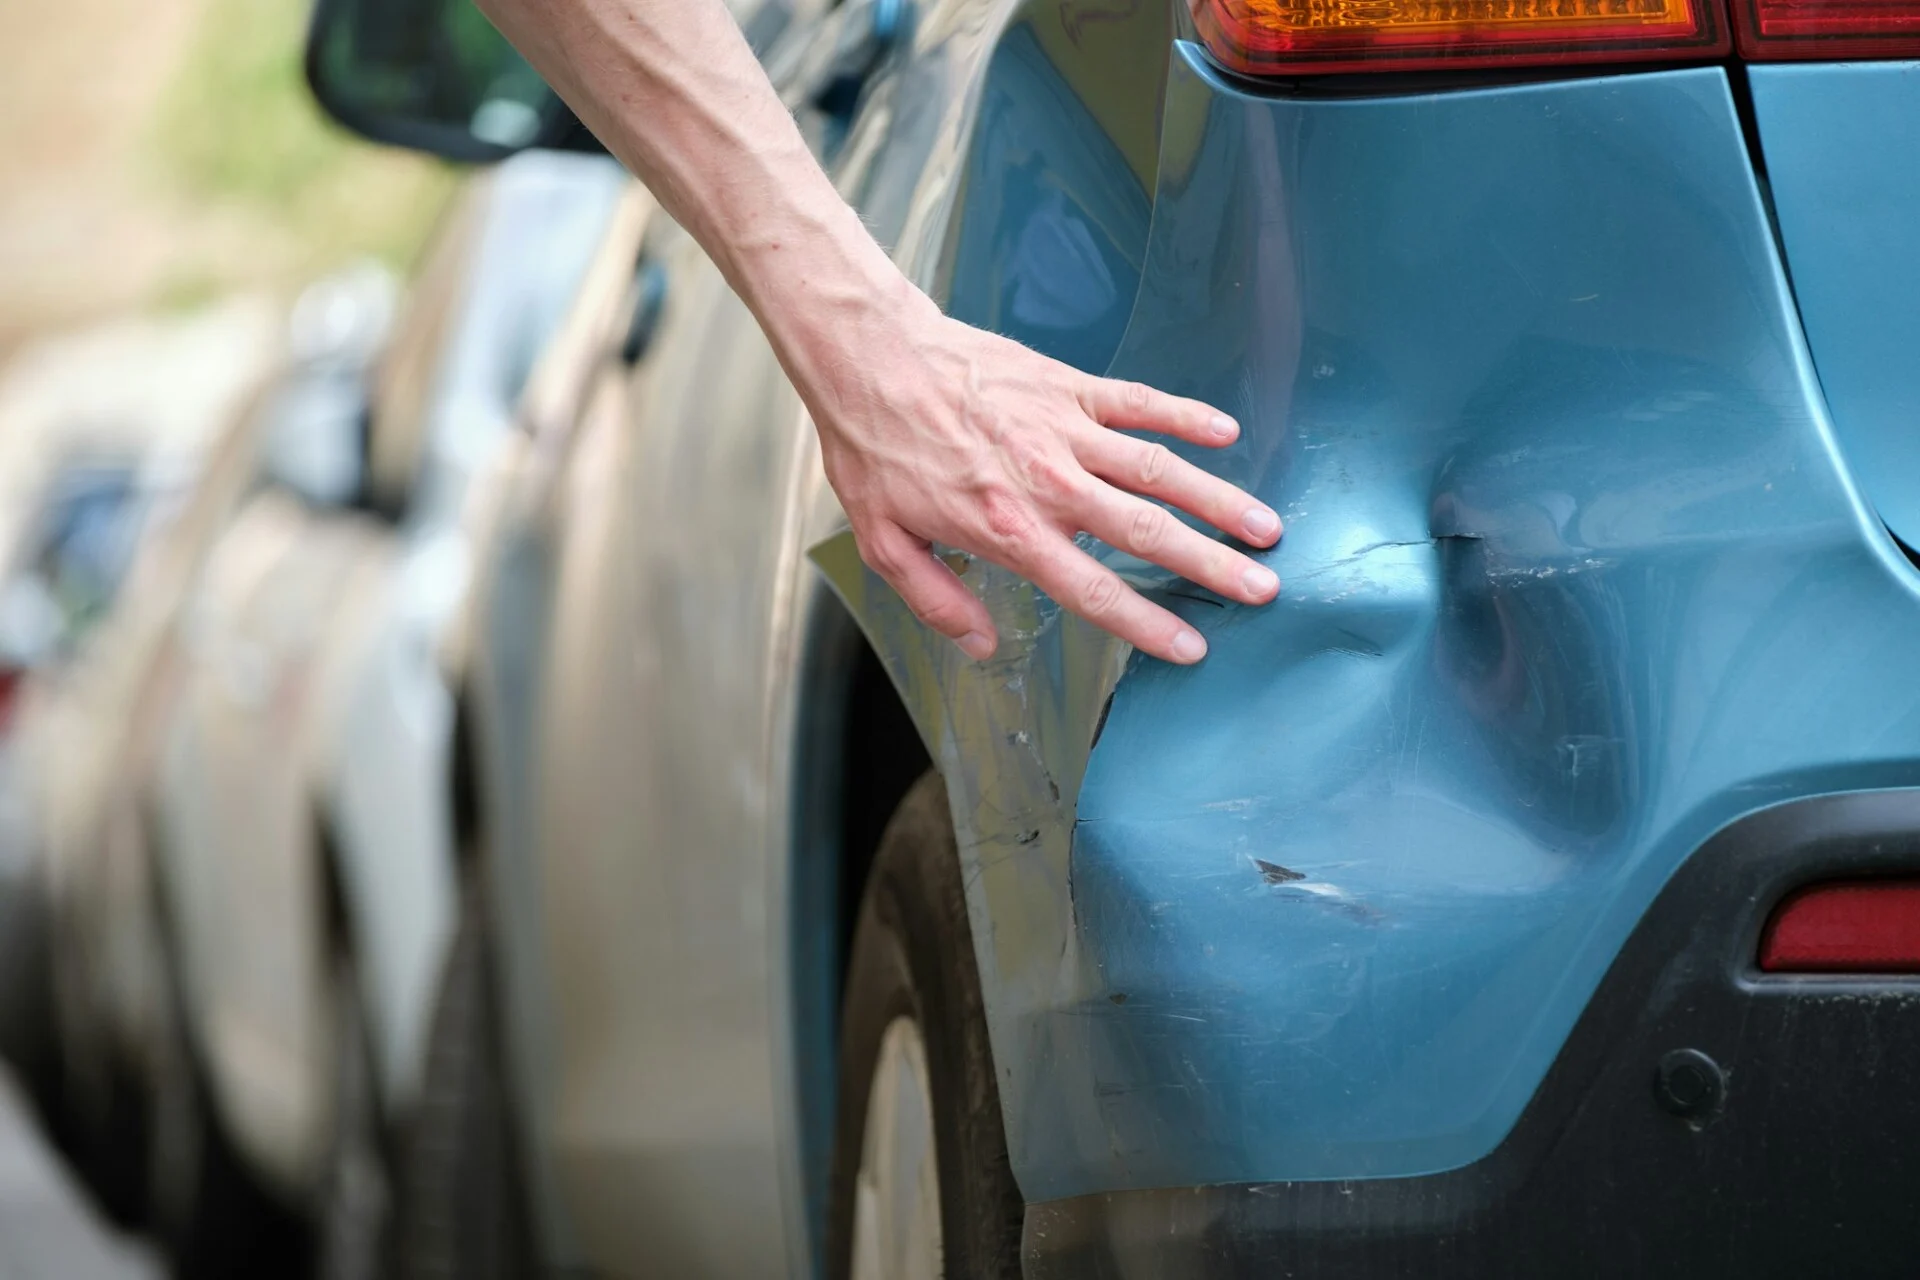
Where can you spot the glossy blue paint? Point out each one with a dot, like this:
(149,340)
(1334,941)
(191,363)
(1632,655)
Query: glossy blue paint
(1842,145)
(1575,575)
(1059,267)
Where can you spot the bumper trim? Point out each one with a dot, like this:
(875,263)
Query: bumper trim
(1809,1164)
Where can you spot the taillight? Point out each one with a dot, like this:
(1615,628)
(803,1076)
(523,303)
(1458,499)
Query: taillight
(1772,30)
(1303,37)
(9,693)
(1859,926)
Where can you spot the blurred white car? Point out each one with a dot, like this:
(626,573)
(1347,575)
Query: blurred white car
(302,838)
(73,544)
(90,726)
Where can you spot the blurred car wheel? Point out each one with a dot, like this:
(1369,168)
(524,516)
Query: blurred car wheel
(356,1199)
(463,1215)
(213,1219)
(26,987)
(99,1114)
(921,1183)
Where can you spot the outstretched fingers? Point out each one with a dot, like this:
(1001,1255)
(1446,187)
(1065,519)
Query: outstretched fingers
(1138,407)
(1153,533)
(1087,587)
(1144,467)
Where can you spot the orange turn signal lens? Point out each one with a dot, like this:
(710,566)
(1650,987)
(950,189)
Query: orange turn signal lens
(1302,37)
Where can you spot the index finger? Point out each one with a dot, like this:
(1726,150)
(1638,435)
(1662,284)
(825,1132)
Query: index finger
(1135,406)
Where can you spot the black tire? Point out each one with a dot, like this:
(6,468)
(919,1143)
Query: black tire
(355,1207)
(27,1039)
(98,1100)
(463,1214)
(913,956)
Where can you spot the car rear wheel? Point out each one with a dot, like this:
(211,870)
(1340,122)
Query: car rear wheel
(921,1185)
(462,1212)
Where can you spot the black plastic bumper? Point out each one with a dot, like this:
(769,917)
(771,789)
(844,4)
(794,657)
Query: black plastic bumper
(1702,1120)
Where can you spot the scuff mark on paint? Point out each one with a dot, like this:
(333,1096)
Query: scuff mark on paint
(1274,873)
(1100,726)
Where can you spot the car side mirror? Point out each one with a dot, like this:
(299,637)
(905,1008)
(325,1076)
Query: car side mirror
(434,76)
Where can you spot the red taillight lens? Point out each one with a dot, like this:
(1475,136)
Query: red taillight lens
(1771,30)
(9,693)
(1862,926)
(1303,37)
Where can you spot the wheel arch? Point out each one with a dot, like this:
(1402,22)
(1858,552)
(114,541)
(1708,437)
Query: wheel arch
(857,750)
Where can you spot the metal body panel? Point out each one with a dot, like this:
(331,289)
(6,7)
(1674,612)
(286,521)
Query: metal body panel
(635,866)
(95,734)
(501,645)
(1574,576)
(287,605)
(638,643)
(1842,144)
(382,780)
(314,737)
(653,845)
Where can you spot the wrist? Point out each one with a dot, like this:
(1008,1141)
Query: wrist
(831,305)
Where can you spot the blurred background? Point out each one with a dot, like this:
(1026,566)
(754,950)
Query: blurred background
(230,544)
(164,156)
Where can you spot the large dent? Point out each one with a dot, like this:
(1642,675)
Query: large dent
(1574,576)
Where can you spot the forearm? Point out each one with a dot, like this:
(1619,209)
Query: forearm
(931,432)
(672,89)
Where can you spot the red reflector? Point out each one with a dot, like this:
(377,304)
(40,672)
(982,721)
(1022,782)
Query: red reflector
(1305,37)
(1862,926)
(1771,30)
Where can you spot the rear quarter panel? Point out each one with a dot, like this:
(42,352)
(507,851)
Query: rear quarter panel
(1842,148)
(1575,575)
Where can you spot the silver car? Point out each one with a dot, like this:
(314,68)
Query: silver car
(677,753)
(95,730)
(302,833)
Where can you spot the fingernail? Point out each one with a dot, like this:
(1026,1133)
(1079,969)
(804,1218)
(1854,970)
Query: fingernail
(1189,647)
(977,645)
(1260,582)
(1224,428)
(1260,522)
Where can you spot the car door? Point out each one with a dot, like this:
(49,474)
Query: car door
(639,913)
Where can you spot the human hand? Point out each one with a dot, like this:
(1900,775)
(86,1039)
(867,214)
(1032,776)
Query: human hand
(933,431)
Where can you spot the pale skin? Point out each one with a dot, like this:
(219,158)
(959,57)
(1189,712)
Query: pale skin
(931,431)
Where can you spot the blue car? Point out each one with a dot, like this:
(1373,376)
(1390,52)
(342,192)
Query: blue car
(1532,890)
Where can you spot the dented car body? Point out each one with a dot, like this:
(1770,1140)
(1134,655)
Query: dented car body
(1416,930)
(1567,523)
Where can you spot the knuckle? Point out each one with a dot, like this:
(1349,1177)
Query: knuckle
(1101,597)
(1049,478)
(1136,394)
(881,559)
(1148,531)
(1007,519)
(1156,460)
